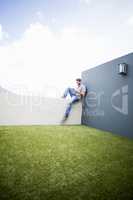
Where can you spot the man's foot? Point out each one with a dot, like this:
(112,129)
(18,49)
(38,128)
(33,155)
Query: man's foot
(63,97)
(64,119)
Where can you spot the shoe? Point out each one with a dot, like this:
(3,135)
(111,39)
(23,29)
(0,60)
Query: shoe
(64,119)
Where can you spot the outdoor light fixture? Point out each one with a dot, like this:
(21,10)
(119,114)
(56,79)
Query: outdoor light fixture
(122,68)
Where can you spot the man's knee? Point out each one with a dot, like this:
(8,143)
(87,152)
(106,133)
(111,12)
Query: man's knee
(69,89)
(69,104)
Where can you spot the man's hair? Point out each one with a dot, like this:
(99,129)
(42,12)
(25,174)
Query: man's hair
(78,79)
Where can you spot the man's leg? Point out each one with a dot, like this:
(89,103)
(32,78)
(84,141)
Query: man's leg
(74,100)
(69,91)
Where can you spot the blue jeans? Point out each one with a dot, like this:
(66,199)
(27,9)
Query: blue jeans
(75,98)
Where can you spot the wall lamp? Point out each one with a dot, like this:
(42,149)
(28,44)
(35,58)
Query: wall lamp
(122,68)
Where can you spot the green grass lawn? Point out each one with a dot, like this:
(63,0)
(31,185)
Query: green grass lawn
(64,163)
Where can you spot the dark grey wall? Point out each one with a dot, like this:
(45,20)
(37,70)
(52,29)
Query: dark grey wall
(108,104)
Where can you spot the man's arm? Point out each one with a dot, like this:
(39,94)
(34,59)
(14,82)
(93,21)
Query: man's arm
(82,93)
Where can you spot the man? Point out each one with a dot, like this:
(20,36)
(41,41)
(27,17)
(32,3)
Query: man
(76,94)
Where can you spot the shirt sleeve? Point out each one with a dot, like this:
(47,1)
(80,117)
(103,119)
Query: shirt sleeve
(83,88)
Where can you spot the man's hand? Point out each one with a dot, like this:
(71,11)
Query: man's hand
(82,94)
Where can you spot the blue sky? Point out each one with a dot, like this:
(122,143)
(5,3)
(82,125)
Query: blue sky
(100,16)
(16,15)
(75,34)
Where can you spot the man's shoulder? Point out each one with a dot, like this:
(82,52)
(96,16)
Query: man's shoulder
(82,85)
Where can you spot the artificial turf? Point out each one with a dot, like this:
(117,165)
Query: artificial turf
(64,163)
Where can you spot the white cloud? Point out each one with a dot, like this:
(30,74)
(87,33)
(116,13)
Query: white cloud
(53,20)
(87,2)
(3,34)
(46,62)
(0,32)
(130,21)
(39,15)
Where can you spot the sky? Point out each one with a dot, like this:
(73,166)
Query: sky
(46,44)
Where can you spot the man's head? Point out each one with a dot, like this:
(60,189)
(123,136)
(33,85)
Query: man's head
(78,81)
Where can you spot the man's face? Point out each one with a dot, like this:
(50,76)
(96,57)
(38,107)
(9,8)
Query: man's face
(78,82)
